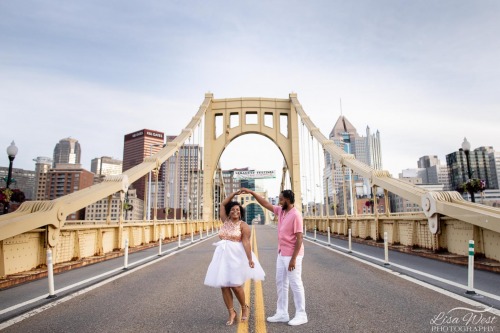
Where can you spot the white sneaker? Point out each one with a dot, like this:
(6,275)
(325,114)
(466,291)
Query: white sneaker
(297,321)
(278,318)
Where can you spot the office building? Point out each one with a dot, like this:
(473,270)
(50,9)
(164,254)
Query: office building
(494,158)
(42,167)
(479,163)
(133,208)
(67,151)
(105,166)
(432,172)
(138,146)
(184,180)
(21,179)
(427,161)
(366,149)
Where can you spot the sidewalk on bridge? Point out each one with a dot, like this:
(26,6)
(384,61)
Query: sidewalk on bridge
(479,262)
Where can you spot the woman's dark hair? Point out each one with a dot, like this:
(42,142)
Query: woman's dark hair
(231,205)
(288,194)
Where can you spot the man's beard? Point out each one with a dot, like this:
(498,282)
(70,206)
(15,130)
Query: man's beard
(285,206)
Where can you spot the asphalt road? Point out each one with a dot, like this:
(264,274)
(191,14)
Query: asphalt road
(168,295)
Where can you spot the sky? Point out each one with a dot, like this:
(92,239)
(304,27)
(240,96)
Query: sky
(425,74)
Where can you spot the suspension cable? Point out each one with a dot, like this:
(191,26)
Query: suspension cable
(320,178)
(198,165)
(176,184)
(189,175)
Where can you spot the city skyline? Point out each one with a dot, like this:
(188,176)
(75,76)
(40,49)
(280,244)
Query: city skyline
(423,74)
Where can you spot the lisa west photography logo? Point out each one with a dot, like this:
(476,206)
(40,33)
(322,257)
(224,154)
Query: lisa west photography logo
(465,320)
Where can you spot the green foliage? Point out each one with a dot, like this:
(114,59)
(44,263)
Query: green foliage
(473,185)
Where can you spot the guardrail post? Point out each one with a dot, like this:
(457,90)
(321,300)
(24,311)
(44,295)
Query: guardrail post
(315,233)
(386,249)
(192,235)
(50,273)
(159,244)
(470,279)
(125,259)
(201,232)
(328,235)
(179,232)
(350,241)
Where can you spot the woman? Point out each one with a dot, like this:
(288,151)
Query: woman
(233,262)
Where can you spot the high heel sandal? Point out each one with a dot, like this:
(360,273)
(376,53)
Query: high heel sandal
(230,322)
(245,318)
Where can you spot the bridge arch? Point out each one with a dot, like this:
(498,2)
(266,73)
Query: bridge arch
(228,119)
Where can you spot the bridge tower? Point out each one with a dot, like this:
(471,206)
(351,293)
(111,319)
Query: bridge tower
(273,118)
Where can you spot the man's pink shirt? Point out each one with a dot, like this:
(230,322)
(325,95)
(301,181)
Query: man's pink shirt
(288,225)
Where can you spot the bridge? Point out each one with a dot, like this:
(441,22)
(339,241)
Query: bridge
(447,222)
(345,292)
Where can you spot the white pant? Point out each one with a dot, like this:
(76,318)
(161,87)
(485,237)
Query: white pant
(284,278)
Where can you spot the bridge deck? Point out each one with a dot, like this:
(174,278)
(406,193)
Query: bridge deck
(168,295)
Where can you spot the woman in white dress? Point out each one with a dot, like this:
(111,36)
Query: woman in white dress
(233,262)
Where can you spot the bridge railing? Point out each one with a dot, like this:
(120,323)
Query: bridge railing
(92,239)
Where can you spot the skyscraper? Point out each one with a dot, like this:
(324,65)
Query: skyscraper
(427,161)
(137,146)
(366,149)
(67,151)
(480,167)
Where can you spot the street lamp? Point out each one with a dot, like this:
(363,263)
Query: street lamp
(466,149)
(11,152)
(149,179)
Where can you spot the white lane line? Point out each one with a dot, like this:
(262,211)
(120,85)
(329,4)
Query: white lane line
(411,279)
(54,303)
(437,278)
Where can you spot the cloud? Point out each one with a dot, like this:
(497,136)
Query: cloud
(424,74)
(45,109)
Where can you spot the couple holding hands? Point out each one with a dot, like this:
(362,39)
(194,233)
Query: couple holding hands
(233,262)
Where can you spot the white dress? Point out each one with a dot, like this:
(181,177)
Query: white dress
(229,266)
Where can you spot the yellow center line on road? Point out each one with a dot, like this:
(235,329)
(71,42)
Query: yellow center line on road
(243,325)
(259,315)
(260,320)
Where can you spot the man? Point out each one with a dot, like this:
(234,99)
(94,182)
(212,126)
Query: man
(290,254)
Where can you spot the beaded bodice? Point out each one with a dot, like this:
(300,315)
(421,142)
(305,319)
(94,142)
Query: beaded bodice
(230,231)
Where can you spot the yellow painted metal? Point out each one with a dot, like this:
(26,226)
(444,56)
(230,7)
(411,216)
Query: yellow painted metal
(434,203)
(52,214)
(35,214)
(286,139)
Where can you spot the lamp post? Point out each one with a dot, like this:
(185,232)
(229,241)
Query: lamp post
(149,179)
(466,149)
(11,152)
